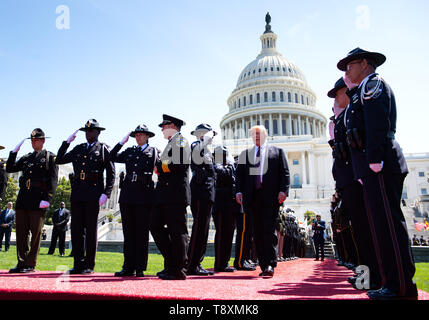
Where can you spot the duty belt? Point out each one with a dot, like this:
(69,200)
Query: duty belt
(146,178)
(34,184)
(90,177)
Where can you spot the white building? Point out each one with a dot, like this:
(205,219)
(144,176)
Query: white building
(272,91)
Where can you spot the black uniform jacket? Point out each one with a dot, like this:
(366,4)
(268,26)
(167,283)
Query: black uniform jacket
(88,165)
(225,185)
(275,179)
(203,173)
(173,187)
(371,126)
(39,178)
(3,179)
(342,169)
(138,186)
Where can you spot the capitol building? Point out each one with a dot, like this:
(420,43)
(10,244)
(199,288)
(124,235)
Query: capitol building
(272,91)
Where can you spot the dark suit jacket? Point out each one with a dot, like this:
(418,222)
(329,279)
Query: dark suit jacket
(62,221)
(275,179)
(9,219)
(319,230)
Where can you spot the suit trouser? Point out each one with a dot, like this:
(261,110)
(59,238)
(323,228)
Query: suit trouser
(243,239)
(224,220)
(28,221)
(61,237)
(84,233)
(135,226)
(201,212)
(6,232)
(354,203)
(264,227)
(319,244)
(382,194)
(350,246)
(172,240)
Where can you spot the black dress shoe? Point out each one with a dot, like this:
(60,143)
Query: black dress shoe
(268,272)
(198,271)
(88,271)
(75,271)
(227,269)
(17,270)
(28,270)
(179,275)
(164,271)
(139,274)
(124,273)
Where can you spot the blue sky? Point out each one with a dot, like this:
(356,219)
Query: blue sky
(127,62)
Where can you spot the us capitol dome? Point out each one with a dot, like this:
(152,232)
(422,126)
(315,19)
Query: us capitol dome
(272,91)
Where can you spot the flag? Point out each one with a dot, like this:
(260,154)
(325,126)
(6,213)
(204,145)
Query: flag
(426,225)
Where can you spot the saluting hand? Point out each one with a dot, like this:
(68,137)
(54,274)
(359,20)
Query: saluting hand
(18,146)
(331,130)
(125,139)
(72,137)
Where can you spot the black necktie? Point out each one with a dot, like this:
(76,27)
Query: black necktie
(258,180)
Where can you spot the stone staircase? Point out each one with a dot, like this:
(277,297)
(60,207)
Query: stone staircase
(329,250)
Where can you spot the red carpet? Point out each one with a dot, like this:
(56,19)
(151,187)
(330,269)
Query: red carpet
(302,279)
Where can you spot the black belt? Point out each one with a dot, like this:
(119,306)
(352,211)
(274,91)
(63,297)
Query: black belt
(90,177)
(28,183)
(134,177)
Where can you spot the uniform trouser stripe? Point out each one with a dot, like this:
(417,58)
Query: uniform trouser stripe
(374,237)
(388,213)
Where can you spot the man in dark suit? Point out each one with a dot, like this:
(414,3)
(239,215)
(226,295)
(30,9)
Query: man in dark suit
(37,186)
(378,162)
(262,185)
(60,219)
(89,192)
(172,198)
(319,227)
(7,218)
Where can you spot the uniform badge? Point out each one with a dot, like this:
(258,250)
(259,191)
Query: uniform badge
(355,98)
(43,160)
(181,142)
(97,153)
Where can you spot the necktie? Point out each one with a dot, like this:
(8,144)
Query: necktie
(258,180)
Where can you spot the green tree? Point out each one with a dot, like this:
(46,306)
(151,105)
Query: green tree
(309,216)
(62,194)
(10,194)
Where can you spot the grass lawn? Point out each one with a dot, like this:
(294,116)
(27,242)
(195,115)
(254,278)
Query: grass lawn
(110,262)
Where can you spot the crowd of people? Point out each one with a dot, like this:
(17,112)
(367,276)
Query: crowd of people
(369,170)
(420,241)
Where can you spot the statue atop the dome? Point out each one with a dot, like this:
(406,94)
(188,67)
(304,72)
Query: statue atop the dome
(268,20)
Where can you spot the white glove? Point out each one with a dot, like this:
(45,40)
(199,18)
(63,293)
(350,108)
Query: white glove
(72,137)
(44,204)
(376,167)
(360,181)
(18,146)
(103,200)
(208,137)
(331,130)
(125,140)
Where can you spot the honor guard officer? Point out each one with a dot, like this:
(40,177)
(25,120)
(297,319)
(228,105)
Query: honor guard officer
(224,209)
(172,197)
(37,186)
(202,197)
(90,160)
(136,198)
(379,163)
(3,177)
(349,189)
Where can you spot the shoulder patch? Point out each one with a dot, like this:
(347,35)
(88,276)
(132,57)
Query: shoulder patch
(181,142)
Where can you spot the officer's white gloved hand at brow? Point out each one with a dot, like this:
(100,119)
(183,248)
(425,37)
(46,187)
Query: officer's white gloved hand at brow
(376,167)
(103,199)
(18,146)
(44,204)
(331,130)
(125,139)
(72,137)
